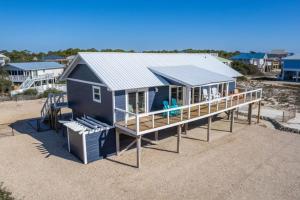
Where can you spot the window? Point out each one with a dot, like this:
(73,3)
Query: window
(177,93)
(97,94)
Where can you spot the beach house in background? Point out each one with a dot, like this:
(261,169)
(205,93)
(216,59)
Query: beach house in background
(275,58)
(291,68)
(257,59)
(55,58)
(40,75)
(3,60)
(144,93)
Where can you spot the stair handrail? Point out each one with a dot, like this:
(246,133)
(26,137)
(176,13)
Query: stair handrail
(46,106)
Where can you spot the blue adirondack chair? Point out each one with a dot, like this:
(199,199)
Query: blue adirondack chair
(174,105)
(167,106)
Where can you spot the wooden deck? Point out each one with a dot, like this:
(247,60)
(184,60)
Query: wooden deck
(163,119)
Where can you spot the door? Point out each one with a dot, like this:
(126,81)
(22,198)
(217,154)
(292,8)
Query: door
(176,93)
(136,102)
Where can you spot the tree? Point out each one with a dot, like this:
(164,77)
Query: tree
(5,83)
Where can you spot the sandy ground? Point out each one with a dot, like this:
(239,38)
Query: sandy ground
(254,162)
(11,111)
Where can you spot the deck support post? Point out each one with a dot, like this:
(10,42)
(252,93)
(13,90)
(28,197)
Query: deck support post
(258,112)
(208,128)
(186,126)
(178,138)
(117,142)
(250,113)
(156,136)
(231,120)
(138,151)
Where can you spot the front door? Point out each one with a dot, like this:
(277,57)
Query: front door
(136,102)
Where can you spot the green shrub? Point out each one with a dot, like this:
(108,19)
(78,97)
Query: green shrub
(4,194)
(48,91)
(245,69)
(5,86)
(30,92)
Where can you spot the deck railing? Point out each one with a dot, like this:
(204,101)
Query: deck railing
(157,120)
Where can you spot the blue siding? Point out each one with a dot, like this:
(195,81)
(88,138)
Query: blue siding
(156,98)
(80,99)
(83,72)
(291,64)
(100,145)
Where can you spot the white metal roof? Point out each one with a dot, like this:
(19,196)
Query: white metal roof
(190,75)
(121,71)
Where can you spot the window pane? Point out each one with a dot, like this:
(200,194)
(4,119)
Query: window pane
(96,90)
(173,93)
(131,102)
(180,96)
(141,102)
(97,96)
(196,95)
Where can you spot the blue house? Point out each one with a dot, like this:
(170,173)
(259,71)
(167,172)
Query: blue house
(257,59)
(142,93)
(291,68)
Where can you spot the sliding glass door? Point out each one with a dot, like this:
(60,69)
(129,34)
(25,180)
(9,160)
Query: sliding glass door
(136,102)
(177,94)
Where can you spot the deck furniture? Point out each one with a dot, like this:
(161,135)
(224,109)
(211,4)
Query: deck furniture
(205,95)
(215,94)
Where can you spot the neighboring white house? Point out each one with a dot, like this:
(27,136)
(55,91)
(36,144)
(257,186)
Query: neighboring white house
(3,60)
(257,59)
(19,72)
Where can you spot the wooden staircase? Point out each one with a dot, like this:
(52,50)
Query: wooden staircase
(51,109)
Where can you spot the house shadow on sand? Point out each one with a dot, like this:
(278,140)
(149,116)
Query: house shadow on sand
(49,142)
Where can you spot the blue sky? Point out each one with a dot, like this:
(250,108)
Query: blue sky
(42,25)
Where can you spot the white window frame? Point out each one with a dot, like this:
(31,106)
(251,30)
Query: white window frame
(94,99)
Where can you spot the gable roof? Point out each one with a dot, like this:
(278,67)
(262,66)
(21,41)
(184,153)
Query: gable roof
(36,65)
(248,56)
(190,75)
(121,71)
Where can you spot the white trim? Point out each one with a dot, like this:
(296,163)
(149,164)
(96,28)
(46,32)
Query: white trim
(84,149)
(183,93)
(185,121)
(113,107)
(71,67)
(98,88)
(86,82)
(146,90)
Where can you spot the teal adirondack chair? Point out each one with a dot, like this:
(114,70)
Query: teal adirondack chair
(174,105)
(167,106)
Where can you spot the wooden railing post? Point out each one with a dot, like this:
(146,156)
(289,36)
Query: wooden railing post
(153,125)
(199,110)
(181,114)
(137,123)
